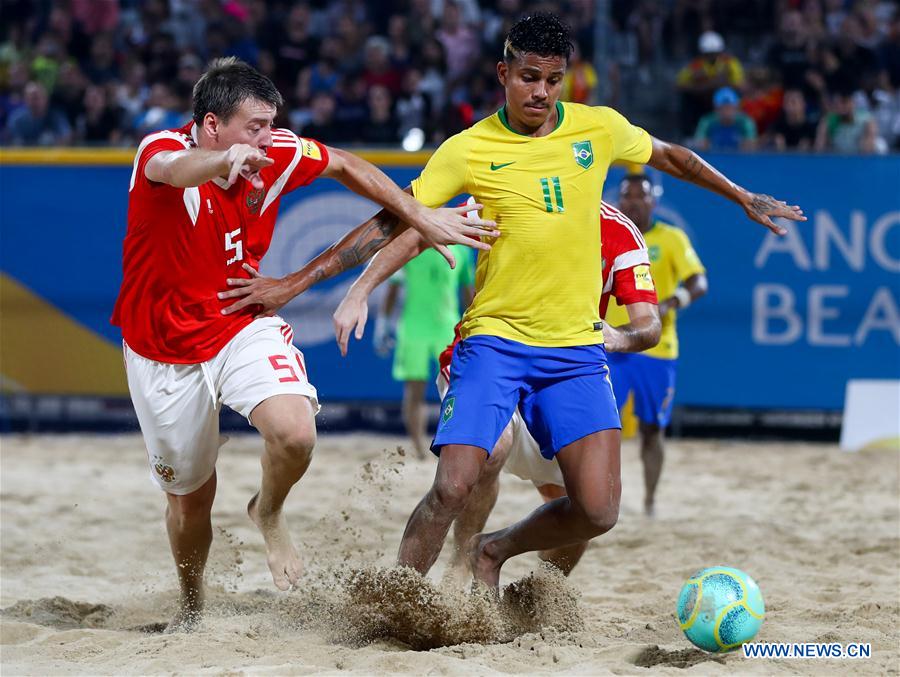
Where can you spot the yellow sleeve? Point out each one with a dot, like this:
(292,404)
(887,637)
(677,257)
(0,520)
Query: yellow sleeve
(687,263)
(685,75)
(444,177)
(630,143)
(737,72)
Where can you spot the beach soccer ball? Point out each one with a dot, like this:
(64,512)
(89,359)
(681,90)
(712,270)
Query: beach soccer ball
(720,608)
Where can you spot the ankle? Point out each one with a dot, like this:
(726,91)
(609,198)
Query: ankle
(264,509)
(491,549)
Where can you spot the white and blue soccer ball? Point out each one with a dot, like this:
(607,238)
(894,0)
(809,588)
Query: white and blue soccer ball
(720,608)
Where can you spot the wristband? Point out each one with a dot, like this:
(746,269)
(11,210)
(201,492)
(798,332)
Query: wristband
(683,296)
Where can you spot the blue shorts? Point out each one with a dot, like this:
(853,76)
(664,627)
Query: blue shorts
(651,379)
(564,394)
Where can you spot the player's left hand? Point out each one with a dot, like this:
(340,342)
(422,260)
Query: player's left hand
(762,208)
(350,317)
(269,293)
(613,339)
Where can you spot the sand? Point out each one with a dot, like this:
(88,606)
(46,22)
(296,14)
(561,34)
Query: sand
(87,582)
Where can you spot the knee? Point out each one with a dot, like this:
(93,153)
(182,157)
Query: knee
(190,509)
(600,517)
(650,432)
(603,519)
(292,443)
(452,493)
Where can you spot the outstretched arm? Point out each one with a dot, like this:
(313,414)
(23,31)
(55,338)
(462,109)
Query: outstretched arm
(194,166)
(685,164)
(356,247)
(353,310)
(439,227)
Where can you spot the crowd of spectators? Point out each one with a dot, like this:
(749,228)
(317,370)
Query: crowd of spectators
(747,74)
(828,81)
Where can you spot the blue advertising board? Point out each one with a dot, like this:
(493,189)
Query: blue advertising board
(786,323)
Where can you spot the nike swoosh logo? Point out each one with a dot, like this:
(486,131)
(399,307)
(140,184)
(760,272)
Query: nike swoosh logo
(494,167)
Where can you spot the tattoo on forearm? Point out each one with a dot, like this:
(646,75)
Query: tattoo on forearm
(373,238)
(346,255)
(692,167)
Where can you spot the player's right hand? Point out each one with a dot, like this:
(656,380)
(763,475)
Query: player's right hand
(351,314)
(247,161)
(763,208)
(455,225)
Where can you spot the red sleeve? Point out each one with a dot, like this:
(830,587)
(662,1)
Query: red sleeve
(634,285)
(311,160)
(627,259)
(150,146)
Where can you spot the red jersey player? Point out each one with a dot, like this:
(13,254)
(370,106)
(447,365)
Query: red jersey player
(626,275)
(203,200)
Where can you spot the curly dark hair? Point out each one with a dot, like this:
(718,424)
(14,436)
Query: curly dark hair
(541,33)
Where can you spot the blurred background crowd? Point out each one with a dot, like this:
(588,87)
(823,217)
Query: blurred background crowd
(819,75)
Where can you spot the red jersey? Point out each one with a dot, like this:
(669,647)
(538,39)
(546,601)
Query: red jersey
(183,243)
(625,270)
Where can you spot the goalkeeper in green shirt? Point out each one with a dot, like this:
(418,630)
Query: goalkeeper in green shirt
(431,309)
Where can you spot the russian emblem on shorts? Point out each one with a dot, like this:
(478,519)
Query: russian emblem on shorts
(164,471)
(584,153)
(254,199)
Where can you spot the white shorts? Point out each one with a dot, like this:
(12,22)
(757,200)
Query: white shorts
(524,460)
(178,405)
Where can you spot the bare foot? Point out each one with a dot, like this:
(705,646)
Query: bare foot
(649,510)
(189,614)
(485,567)
(281,556)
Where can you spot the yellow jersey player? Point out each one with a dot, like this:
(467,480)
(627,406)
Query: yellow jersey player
(650,376)
(532,337)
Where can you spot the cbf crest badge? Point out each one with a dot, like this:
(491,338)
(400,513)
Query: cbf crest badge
(584,153)
(449,406)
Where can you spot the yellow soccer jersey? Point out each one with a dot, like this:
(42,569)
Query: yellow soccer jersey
(541,282)
(672,261)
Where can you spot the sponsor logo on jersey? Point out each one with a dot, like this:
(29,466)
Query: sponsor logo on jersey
(653,252)
(495,167)
(310,149)
(584,153)
(642,279)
